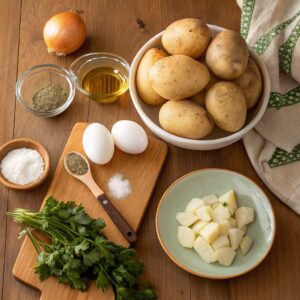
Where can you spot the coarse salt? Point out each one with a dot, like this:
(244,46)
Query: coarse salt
(119,187)
(22,166)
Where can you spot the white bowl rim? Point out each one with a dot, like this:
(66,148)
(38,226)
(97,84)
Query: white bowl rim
(190,142)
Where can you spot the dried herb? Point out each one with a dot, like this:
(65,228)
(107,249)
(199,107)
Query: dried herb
(79,251)
(77,164)
(48,98)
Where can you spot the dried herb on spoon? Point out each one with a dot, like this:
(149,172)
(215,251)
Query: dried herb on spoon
(78,250)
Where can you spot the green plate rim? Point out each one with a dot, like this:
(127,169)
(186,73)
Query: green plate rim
(163,198)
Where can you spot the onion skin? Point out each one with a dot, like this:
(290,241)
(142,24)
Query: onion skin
(64,33)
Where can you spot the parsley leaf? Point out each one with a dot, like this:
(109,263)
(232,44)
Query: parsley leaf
(78,251)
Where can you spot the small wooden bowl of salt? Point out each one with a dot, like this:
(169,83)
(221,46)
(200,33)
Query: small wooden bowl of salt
(24,164)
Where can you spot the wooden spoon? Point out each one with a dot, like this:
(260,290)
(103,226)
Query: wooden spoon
(88,180)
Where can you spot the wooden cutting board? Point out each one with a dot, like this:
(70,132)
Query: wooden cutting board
(142,170)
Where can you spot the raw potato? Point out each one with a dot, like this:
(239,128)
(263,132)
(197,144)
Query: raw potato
(178,77)
(186,218)
(244,215)
(227,55)
(210,232)
(210,199)
(143,82)
(225,256)
(198,226)
(203,213)
(215,227)
(186,236)
(229,199)
(224,227)
(244,229)
(232,222)
(187,36)
(204,250)
(251,83)
(213,206)
(186,119)
(246,244)
(194,204)
(199,98)
(226,104)
(235,237)
(220,213)
(220,242)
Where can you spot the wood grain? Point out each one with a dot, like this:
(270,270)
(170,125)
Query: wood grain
(141,170)
(9,41)
(52,133)
(112,27)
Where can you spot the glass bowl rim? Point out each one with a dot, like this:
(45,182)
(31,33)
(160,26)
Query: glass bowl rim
(99,55)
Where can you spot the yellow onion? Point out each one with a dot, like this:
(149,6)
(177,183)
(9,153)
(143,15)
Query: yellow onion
(64,33)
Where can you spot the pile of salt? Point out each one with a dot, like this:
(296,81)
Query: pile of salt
(119,187)
(22,166)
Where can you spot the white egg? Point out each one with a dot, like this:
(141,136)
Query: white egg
(130,137)
(98,143)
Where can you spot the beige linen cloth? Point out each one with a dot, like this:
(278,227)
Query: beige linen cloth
(272,28)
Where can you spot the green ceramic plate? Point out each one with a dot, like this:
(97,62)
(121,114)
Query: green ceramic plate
(215,181)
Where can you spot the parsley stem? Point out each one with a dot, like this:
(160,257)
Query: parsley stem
(77,250)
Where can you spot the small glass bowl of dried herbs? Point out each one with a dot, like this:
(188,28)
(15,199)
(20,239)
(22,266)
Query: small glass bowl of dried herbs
(45,90)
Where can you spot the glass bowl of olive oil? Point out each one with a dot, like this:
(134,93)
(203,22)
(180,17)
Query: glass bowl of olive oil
(101,76)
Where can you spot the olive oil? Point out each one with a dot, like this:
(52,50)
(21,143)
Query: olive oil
(105,84)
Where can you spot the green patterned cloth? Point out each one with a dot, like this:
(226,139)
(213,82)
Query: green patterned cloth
(272,28)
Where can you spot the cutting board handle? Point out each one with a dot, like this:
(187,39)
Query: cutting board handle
(116,217)
(46,294)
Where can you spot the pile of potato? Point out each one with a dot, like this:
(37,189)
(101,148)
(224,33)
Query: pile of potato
(215,227)
(199,81)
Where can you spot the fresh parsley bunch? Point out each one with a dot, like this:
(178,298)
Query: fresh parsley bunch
(75,250)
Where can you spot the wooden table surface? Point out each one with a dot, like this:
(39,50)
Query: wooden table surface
(112,27)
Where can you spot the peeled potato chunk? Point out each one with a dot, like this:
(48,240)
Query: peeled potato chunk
(229,199)
(186,218)
(216,227)
(196,227)
(185,236)
(203,213)
(210,232)
(204,250)
(232,222)
(235,237)
(224,227)
(194,204)
(213,206)
(220,213)
(246,244)
(244,215)
(210,199)
(220,242)
(244,229)
(225,256)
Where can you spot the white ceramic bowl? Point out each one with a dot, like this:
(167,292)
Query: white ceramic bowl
(218,138)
